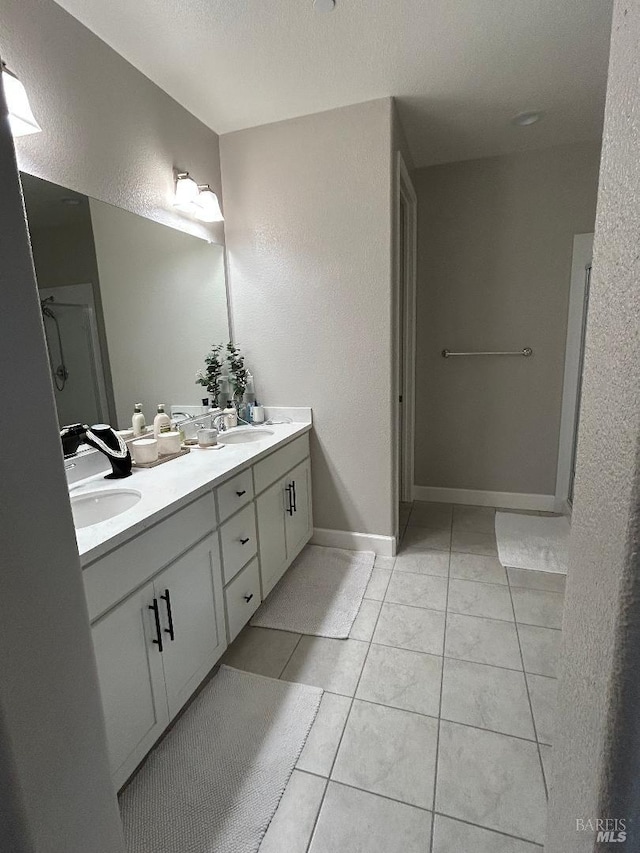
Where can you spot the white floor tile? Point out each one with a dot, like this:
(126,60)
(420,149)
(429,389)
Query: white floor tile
(540,649)
(452,836)
(474,542)
(410,628)
(482,641)
(486,696)
(424,563)
(353,821)
(479,519)
(417,539)
(292,824)
(426,514)
(544,696)
(417,591)
(480,599)
(322,743)
(491,779)
(477,567)
(550,581)
(389,752)
(378,583)
(261,650)
(402,679)
(538,607)
(334,665)
(365,621)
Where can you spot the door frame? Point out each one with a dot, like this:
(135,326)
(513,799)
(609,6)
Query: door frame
(404,437)
(582,257)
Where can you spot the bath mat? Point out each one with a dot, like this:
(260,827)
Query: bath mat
(320,594)
(215,781)
(533,541)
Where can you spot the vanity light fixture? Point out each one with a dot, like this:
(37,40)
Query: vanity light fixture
(21,118)
(199,200)
(207,205)
(186,192)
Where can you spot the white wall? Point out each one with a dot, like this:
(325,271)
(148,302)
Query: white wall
(596,751)
(108,131)
(308,227)
(495,242)
(164,303)
(54,775)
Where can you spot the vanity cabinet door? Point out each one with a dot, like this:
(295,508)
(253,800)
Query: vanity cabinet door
(271,532)
(298,513)
(189,595)
(131,681)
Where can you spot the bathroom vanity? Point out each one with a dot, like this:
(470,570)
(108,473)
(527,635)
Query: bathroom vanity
(171,581)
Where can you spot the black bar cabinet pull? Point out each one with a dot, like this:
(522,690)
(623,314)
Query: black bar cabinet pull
(240,494)
(289,492)
(248,598)
(295,504)
(244,541)
(167,599)
(156,614)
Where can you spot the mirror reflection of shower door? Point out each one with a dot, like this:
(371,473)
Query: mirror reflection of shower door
(574,452)
(74,354)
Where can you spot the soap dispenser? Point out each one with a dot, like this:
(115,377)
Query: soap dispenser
(161,422)
(138,421)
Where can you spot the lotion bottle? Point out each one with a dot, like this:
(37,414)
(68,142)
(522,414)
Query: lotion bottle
(138,421)
(161,422)
(230,415)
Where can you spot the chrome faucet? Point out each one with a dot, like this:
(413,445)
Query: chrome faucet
(219,423)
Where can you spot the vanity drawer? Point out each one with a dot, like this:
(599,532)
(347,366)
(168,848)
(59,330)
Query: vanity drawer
(239,542)
(113,577)
(234,494)
(275,466)
(242,598)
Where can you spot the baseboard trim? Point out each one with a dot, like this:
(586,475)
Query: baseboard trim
(384,546)
(477,497)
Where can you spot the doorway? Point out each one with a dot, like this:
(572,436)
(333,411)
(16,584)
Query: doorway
(405,233)
(573,368)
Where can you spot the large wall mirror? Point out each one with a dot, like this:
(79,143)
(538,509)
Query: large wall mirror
(130,306)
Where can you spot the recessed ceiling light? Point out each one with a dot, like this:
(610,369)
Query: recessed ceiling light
(324,5)
(525,119)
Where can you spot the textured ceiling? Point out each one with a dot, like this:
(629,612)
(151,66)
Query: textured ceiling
(460,69)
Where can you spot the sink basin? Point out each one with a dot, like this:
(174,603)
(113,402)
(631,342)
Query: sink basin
(92,507)
(241,435)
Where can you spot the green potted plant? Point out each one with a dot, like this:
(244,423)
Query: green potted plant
(210,377)
(237,372)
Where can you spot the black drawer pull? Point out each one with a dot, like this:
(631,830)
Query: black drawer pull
(244,541)
(295,498)
(248,598)
(240,494)
(156,613)
(289,490)
(167,600)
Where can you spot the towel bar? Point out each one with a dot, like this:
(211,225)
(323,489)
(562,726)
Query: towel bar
(526,352)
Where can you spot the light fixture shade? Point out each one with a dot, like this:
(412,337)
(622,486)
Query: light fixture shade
(208,206)
(21,117)
(186,193)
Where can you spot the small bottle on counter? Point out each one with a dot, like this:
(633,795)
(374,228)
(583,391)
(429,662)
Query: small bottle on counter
(138,421)
(257,413)
(161,422)
(230,415)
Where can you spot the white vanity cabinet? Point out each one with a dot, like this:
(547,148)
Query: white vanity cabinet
(154,643)
(283,511)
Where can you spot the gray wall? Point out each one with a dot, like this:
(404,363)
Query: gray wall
(108,131)
(54,774)
(308,226)
(494,262)
(597,746)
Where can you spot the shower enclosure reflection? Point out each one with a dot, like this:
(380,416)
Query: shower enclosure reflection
(129,306)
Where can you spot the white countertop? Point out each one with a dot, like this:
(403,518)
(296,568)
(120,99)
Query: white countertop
(166,488)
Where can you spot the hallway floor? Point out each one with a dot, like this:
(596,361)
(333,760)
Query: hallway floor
(435,730)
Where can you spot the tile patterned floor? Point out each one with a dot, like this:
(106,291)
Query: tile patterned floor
(434,734)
